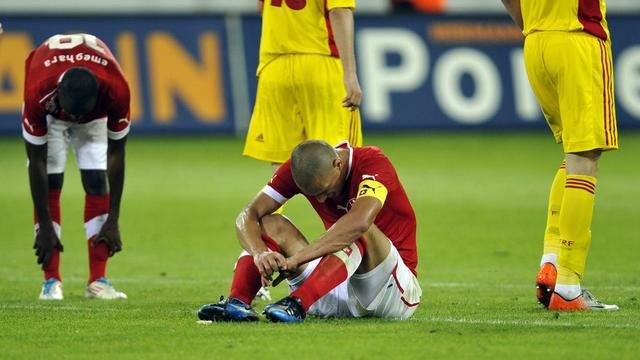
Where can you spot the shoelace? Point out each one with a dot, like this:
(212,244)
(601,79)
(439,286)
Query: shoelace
(590,299)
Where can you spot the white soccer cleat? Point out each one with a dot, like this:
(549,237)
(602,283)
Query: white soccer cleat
(264,294)
(103,290)
(51,290)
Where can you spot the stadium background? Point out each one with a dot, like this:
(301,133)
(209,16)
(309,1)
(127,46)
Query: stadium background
(191,64)
(479,194)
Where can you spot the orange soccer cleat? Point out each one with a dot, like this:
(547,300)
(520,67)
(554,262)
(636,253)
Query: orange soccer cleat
(545,283)
(585,301)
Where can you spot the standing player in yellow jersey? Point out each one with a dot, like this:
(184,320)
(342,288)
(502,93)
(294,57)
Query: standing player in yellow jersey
(567,54)
(307,83)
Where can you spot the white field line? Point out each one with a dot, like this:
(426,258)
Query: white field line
(539,323)
(178,281)
(64,308)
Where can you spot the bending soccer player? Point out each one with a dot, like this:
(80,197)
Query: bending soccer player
(567,54)
(363,265)
(75,93)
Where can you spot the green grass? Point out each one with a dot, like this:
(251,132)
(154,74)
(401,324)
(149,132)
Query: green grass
(480,199)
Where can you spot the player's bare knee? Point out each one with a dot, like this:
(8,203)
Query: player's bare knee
(284,232)
(583,163)
(94,182)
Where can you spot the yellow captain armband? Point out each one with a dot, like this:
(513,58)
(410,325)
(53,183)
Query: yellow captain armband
(372,188)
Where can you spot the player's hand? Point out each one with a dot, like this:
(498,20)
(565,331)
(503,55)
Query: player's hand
(290,267)
(354,93)
(268,263)
(46,241)
(110,234)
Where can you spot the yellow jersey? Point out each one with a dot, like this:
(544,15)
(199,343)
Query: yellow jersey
(298,27)
(565,15)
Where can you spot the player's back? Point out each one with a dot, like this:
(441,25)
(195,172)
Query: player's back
(565,15)
(49,61)
(297,27)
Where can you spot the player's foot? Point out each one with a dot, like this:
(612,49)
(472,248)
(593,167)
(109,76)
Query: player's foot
(264,294)
(585,301)
(103,290)
(229,309)
(51,290)
(545,283)
(288,309)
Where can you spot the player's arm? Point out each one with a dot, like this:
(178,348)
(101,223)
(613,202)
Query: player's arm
(343,233)
(249,235)
(342,26)
(110,231)
(348,228)
(260,6)
(513,8)
(46,239)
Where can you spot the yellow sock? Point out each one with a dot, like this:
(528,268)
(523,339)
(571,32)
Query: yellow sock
(575,227)
(552,231)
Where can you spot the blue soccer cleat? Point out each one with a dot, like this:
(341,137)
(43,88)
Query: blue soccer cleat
(288,310)
(229,309)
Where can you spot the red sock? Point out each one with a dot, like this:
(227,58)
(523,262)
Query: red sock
(246,277)
(330,272)
(96,207)
(53,269)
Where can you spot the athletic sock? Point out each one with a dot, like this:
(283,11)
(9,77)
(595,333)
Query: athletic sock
(552,231)
(52,270)
(575,228)
(330,272)
(96,210)
(246,277)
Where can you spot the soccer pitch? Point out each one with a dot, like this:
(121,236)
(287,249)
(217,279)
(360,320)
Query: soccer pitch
(480,200)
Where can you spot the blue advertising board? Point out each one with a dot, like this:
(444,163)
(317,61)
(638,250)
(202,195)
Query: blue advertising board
(416,71)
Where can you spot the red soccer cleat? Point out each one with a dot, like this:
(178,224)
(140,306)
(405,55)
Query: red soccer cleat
(545,283)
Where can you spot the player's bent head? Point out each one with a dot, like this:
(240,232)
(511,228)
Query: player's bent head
(311,163)
(77,91)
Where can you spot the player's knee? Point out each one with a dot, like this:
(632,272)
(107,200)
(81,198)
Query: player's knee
(94,181)
(276,226)
(583,163)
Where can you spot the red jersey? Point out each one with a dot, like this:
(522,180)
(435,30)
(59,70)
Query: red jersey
(43,69)
(396,219)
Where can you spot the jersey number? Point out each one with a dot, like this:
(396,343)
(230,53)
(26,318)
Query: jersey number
(292,4)
(70,41)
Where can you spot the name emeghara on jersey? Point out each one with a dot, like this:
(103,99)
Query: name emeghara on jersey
(367,165)
(44,67)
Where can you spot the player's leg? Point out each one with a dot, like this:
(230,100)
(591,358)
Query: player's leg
(585,89)
(320,90)
(546,278)
(57,144)
(332,270)
(280,235)
(96,210)
(390,290)
(544,84)
(89,143)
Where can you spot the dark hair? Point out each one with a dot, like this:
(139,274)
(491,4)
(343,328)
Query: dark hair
(309,161)
(78,90)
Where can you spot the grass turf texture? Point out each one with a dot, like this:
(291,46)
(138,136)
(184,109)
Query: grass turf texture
(480,201)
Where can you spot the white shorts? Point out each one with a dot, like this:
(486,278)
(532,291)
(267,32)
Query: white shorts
(389,291)
(89,142)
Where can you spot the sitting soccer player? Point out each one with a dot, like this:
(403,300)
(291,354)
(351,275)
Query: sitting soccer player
(363,265)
